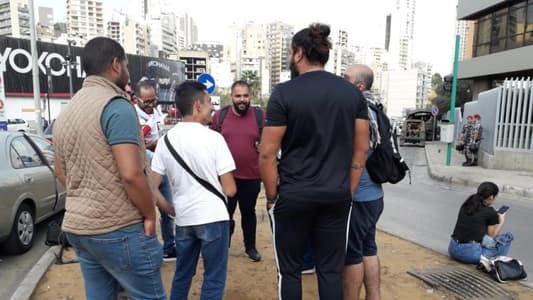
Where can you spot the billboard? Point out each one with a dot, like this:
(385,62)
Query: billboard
(15,63)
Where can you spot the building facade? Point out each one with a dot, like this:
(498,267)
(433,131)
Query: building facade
(15,18)
(399,35)
(279,37)
(196,63)
(45,25)
(85,19)
(502,42)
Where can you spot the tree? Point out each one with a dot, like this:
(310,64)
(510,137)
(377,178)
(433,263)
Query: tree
(253,80)
(443,93)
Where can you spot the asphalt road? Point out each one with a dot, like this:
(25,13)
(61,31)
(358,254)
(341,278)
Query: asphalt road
(13,268)
(426,210)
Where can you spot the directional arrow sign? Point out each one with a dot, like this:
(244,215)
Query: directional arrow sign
(208,81)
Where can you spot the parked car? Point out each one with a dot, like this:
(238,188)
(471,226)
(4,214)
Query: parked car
(48,132)
(29,191)
(17,125)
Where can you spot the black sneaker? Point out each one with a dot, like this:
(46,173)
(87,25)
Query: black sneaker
(253,254)
(170,255)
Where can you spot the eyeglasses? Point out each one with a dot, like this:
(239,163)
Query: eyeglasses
(152,101)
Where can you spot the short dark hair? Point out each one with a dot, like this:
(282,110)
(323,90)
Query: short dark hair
(187,93)
(143,84)
(241,83)
(314,41)
(99,53)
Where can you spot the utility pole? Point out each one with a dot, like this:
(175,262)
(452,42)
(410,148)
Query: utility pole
(35,71)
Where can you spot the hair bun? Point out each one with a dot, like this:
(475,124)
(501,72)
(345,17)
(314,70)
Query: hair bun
(319,30)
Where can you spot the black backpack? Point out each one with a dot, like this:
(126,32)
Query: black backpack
(385,164)
(258,118)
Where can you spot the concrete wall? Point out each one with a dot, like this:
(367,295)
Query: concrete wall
(486,106)
(507,61)
(507,160)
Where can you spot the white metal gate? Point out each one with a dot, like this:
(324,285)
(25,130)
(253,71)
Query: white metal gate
(514,116)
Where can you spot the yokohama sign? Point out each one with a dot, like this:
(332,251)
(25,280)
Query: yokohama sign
(15,62)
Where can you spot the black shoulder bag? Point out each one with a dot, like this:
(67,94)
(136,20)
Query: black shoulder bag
(201,181)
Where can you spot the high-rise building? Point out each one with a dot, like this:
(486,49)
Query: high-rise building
(424,71)
(399,34)
(85,19)
(137,37)
(342,54)
(213,49)
(45,25)
(465,29)
(14,18)
(279,36)
(254,41)
(163,34)
(187,29)
(115,27)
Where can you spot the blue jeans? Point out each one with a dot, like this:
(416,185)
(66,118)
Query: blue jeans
(123,258)
(166,222)
(470,253)
(212,240)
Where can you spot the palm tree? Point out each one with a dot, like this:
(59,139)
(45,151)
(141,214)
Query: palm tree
(253,80)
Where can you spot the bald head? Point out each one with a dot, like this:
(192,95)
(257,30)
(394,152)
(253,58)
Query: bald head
(360,75)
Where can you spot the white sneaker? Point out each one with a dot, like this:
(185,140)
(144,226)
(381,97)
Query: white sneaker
(309,271)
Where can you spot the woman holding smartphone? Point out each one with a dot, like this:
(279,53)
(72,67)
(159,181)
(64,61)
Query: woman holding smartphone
(478,227)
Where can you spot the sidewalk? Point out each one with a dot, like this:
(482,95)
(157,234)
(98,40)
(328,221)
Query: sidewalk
(518,183)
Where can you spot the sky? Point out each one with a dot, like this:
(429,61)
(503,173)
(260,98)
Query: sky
(364,20)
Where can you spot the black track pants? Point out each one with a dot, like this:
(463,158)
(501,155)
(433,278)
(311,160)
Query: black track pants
(325,225)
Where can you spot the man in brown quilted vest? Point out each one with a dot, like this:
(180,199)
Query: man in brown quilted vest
(110,214)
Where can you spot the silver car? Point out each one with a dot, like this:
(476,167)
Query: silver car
(29,191)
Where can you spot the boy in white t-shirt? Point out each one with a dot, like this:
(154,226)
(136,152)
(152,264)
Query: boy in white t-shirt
(202,221)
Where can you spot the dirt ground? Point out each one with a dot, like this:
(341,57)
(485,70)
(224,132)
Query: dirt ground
(257,280)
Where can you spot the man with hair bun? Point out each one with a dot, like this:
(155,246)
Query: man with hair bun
(310,192)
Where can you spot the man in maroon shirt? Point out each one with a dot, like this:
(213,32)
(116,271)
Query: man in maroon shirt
(241,127)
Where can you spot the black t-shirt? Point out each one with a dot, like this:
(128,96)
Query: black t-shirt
(319,110)
(474,227)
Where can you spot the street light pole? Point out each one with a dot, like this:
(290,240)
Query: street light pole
(454,94)
(69,65)
(35,71)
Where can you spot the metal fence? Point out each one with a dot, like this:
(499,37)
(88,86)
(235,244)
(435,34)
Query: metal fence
(514,116)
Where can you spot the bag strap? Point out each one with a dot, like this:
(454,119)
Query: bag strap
(201,181)
(221,117)
(259,120)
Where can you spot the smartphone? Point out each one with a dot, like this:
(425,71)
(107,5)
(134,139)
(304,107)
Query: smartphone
(503,209)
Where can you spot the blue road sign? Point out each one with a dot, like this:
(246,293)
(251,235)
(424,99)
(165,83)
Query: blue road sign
(208,81)
(435,111)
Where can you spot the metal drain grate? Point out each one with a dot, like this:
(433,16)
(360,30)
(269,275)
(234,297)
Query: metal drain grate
(464,284)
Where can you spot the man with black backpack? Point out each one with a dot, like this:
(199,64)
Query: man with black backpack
(241,125)
(362,263)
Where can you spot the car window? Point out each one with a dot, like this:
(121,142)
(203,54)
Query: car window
(25,154)
(46,148)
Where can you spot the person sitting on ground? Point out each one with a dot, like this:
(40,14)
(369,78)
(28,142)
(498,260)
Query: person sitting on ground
(478,227)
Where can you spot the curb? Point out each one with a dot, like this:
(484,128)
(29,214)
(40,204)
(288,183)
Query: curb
(506,188)
(25,289)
